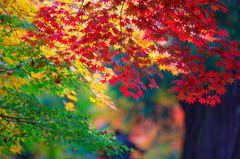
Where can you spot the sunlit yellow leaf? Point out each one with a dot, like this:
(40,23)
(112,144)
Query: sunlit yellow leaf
(69,106)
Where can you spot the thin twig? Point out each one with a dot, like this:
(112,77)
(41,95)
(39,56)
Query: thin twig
(12,69)
(81,6)
(10,15)
(4,9)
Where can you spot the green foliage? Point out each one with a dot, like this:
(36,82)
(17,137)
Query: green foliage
(35,123)
(22,117)
(23,59)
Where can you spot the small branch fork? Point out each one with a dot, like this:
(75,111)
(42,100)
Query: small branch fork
(19,120)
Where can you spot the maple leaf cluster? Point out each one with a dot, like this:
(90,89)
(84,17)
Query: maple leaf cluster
(87,32)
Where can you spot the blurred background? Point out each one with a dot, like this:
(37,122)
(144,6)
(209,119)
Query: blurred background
(156,125)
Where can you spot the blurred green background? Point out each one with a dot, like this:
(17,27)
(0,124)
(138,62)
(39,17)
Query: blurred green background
(154,124)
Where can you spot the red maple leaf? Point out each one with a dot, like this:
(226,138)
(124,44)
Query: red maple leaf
(103,81)
(140,93)
(181,96)
(210,101)
(135,96)
(190,99)
(202,100)
(123,89)
(221,90)
(58,80)
(126,94)
(72,58)
(112,82)
(32,63)
(133,86)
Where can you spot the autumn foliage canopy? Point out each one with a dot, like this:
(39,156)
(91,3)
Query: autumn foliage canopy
(87,35)
(126,41)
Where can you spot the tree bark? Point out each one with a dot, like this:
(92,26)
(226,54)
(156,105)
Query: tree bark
(213,132)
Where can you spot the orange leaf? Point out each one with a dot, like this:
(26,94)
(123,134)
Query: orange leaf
(215,8)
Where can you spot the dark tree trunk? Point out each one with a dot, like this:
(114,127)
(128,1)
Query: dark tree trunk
(213,132)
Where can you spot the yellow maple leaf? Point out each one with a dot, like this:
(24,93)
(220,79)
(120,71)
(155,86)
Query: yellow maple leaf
(69,106)
(71,97)
(16,149)
(92,99)
(73,92)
